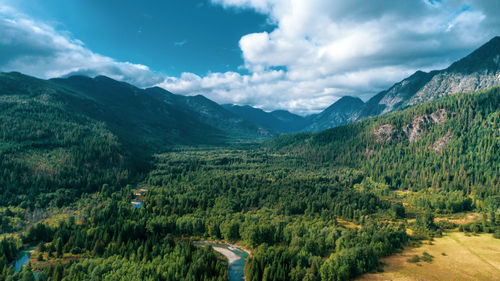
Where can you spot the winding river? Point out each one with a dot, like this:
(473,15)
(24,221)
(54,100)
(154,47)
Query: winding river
(236,258)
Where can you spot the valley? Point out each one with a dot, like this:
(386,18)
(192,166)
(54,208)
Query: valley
(103,180)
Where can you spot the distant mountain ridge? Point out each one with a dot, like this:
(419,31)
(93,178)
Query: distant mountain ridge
(277,121)
(477,71)
(335,115)
(159,117)
(211,113)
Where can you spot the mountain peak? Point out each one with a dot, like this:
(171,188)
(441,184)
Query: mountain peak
(344,103)
(485,59)
(336,114)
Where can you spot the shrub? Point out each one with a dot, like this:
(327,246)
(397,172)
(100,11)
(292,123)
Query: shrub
(414,259)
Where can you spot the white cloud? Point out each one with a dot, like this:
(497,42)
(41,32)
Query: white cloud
(331,48)
(318,51)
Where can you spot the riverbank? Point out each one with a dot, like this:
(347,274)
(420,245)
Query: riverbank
(231,257)
(235,254)
(231,246)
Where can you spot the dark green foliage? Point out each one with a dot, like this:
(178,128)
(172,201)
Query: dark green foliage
(49,153)
(38,233)
(119,247)
(427,257)
(62,137)
(284,207)
(8,252)
(496,234)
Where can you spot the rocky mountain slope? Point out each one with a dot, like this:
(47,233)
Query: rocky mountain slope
(479,70)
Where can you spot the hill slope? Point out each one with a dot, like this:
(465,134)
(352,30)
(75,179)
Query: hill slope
(450,144)
(50,153)
(211,113)
(293,122)
(134,115)
(62,137)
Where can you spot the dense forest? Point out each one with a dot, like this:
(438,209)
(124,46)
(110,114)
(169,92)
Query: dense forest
(324,206)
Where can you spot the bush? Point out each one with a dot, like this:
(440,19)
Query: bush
(497,233)
(427,257)
(446,225)
(414,259)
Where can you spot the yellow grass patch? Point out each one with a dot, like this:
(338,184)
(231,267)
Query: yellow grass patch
(463,218)
(456,257)
(347,224)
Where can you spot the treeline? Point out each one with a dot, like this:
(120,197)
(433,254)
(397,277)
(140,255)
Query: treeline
(353,253)
(9,248)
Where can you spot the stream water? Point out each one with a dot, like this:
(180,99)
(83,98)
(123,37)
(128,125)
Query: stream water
(236,269)
(22,260)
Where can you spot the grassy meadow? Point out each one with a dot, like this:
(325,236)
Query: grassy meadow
(455,256)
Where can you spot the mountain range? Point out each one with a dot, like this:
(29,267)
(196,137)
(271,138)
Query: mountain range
(83,132)
(479,70)
(155,116)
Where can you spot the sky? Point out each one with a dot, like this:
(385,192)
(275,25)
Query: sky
(298,55)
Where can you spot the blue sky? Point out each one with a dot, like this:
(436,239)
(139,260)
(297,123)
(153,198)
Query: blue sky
(171,37)
(299,55)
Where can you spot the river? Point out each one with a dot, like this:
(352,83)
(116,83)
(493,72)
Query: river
(22,258)
(236,258)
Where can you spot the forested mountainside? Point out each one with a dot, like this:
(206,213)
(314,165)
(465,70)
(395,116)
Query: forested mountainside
(451,144)
(63,137)
(46,146)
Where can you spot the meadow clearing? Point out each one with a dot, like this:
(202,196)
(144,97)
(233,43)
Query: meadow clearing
(455,256)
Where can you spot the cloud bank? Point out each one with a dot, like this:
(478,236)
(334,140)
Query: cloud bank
(318,51)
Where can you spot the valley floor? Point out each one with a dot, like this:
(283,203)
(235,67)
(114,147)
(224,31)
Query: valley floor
(456,256)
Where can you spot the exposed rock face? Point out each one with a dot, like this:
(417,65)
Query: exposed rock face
(413,131)
(420,123)
(439,116)
(447,83)
(441,143)
(384,133)
(477,71)
(394,97)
